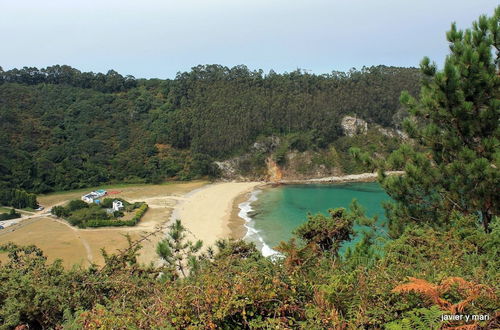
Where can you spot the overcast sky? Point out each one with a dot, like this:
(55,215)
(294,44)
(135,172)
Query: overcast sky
(158,38)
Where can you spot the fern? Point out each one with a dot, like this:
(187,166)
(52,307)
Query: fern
(421,318)
(470,291)
(428,290)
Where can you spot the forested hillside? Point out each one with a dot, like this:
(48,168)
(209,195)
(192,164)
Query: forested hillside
(63,129)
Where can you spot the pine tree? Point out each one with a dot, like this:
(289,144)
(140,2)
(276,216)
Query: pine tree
(454,162)
(176,250)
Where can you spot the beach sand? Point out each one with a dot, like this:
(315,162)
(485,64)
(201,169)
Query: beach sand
(209,213)
(236,223)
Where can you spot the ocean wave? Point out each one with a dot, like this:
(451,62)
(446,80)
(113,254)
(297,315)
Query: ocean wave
(252,233)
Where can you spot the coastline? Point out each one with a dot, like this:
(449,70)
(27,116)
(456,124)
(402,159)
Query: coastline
(362,177)
(212,212)
(237,225)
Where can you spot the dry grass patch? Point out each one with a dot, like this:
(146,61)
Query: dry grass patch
(128,192)
(81,246)
(57,240)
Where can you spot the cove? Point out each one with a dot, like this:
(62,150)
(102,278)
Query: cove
(273,213)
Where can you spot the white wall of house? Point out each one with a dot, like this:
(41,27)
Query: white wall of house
(88,199)
(117,205)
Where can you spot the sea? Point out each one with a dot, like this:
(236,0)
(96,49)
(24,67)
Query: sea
(272,213)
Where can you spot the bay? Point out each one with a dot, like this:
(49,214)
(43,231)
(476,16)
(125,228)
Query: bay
(273,213)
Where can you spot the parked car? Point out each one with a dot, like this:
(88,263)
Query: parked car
(40,208)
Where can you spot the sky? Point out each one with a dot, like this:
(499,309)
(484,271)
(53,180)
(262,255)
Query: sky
(158,38)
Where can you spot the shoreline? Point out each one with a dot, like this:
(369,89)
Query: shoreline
(207,212)
(362,177)
(236,224)
(215,215)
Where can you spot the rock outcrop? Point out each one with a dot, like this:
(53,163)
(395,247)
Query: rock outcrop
(298,166)
(353,126)
(266,145)
(228,168)
(274,172)
(392,133)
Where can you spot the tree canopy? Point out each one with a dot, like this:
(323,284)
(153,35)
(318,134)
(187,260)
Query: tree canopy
(454,163)
(63,129)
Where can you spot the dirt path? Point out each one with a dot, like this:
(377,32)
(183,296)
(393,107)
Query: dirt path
(76,231)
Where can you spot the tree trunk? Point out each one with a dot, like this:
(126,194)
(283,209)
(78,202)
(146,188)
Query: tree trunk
(486,218)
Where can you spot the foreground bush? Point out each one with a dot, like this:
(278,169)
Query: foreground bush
(233,286)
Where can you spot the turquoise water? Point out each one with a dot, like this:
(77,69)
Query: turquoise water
(276,212)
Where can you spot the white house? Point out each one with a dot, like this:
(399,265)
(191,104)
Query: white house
(89,198)
(93,196)
(117,205)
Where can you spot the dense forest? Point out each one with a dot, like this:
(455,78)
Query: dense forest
(439,270)
(64,129)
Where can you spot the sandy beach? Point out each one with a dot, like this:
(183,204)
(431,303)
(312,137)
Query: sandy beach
(206,212)
(211,212)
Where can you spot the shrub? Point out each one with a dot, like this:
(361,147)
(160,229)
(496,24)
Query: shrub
(106,223)
(107,203)
(118,214)
(76,204)
(138,215)
(60,211)
(11,215)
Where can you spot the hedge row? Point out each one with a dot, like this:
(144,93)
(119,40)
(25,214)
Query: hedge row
(117,223)
(140,212)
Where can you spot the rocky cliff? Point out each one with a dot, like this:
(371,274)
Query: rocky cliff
(273,159)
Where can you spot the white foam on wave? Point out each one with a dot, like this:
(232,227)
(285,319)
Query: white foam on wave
(252,233)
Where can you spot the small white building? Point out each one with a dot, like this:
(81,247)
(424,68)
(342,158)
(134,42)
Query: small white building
(117,205)
(89,198)
(93,196)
